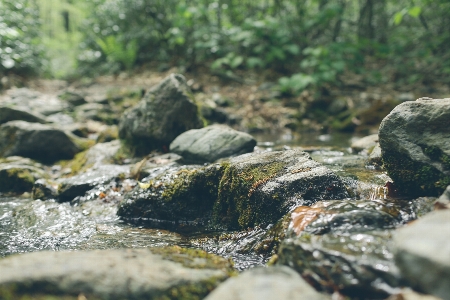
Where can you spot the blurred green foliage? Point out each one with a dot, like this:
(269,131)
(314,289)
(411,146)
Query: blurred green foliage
(303,43)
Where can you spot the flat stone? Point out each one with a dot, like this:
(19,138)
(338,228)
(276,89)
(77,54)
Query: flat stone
(112,274)
(279,282)
(423,253)
(212,143)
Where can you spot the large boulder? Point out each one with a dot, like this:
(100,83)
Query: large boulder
(415,146)
(422,253)
(248,190)
(211,143)
(279,282)
(37,141)
(158,273)
(166,111)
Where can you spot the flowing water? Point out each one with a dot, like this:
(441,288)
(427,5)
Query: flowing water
(27,225)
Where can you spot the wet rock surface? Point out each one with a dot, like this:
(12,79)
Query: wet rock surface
(422,253)
(415,145)
(36,141)
(18,174)
(166,111)
(172,273)
(277,282)
(248,190)
(211,143)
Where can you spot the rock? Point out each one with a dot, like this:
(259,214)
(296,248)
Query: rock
(74,99)
(147,166)
(212,143)
(375,156)
(422,253)
(415,146)
(366,143)
(248,190)
(164,273)
(18,174)
(78,185)
(97,112)
(10,114)
(165,112)
(37,141)
(33,101)
(60,119)
(359,265)
(444,200)
(408,294)
(278,282)
(43,190)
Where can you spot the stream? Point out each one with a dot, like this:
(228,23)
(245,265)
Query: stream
(33,225)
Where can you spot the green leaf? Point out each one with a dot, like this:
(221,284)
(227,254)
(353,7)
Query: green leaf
(293,49)
(415,11)
(398,17)
(253,62)
(236,62)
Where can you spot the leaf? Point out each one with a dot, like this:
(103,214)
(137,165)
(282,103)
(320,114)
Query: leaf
(398,17)
(415,11)
(253,62)
(236,62)
(292,48)
(144,186)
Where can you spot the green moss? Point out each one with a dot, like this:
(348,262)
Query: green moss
(83,144)
(236,205)
(125,151)
(25,291)
(77,164)
(194,291)
(415,178)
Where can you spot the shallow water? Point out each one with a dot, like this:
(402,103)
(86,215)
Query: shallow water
(28,225)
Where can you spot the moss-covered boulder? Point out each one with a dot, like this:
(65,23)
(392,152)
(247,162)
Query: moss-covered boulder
(248,190)
(158,273)
(18,174)
(415,146)
(165,112)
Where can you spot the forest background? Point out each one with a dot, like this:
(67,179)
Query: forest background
(298,45)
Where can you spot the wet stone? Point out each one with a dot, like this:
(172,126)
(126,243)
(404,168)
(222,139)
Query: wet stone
(172,272)
(78,185)
(279,282)
(18,174)
(358,265)
(422,253)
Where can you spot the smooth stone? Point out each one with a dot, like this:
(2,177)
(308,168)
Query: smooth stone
(37,141)
(166,111)
(212,143)
(168,273)
(422,253)
(415,146)
(365,143)
(266,283)
(11,114)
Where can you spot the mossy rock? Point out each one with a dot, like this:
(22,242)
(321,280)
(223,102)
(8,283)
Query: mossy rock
(17,174)
(246,191)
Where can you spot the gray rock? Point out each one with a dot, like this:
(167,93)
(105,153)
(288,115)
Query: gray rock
(78,185)
(170,273)
(18,174)
(365,143)
(279,282)
(72,98)
(248,190)
(36,141)
(43,190)
(415,146)
(444,200)
(355,264)
(10,114)
(375,156)
(212,143)
(33,101)
(165,112)
(423,253)
(60,119)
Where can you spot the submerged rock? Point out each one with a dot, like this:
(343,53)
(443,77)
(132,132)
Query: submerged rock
(18,174)
(165,112)
(279,282)
(422,253)
(248,190)
(357,264)
(415,146)
(165,273)
(211,143)
(37,141)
